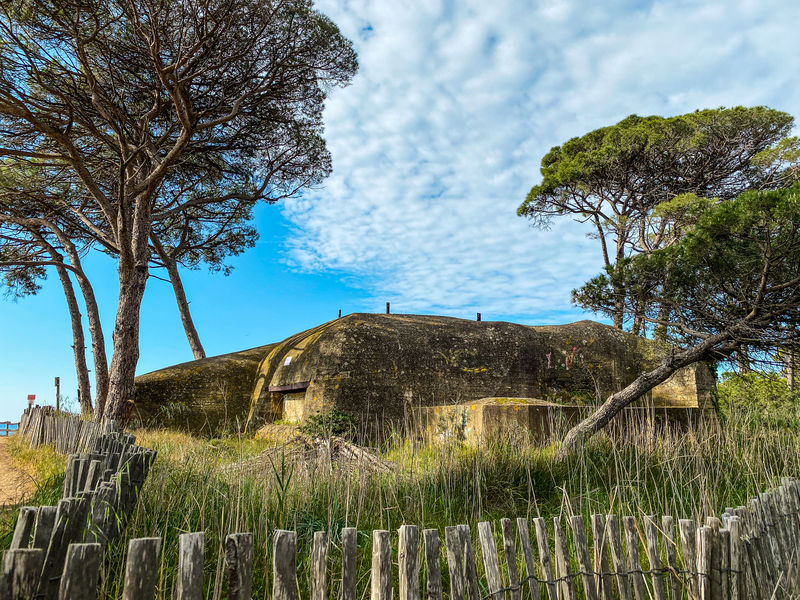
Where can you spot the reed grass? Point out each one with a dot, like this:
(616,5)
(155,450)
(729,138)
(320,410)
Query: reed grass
(686,473)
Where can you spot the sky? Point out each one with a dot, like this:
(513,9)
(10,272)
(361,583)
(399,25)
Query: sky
(435,144)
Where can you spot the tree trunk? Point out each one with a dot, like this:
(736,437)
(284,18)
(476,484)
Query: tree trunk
(660,332)
(95,331)
(789,359)
(640,386)
(180,296)
(122,389)
(743,360)
(95,326)
(98,346)
(78,340)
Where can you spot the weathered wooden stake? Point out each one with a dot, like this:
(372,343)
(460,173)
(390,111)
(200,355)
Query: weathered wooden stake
(190,566)
(349,548)
(239,565)
(490,563)
(284,565)
(527,553)
(455,562)
(544,558)
(381,588)
(582,554)
(141,569)
(24,527)
(21,571)
(81,572)
(434,585)
(408,562)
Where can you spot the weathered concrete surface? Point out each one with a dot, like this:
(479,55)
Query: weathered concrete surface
(517,419)
(203,396)
(387,367)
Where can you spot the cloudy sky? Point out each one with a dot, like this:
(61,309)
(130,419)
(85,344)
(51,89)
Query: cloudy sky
(435,145)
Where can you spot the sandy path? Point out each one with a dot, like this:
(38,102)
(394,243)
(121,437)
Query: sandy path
(15,483)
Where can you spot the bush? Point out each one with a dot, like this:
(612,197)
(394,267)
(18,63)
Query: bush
(763,398)
(328,424)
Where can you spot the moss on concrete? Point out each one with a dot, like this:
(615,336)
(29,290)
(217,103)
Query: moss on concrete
(386,367)
(208,396)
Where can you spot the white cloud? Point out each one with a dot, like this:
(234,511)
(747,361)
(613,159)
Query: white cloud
(440,136)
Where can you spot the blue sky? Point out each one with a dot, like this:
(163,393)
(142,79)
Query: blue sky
(435,144)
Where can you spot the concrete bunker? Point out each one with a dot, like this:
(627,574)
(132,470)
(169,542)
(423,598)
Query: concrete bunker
(388,369)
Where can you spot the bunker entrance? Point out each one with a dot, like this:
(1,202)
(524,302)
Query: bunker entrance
(287,401)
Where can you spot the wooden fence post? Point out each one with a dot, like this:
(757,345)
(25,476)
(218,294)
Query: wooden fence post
(81,572)
(239,565)
(705,544)
(381,566)
(490,563)
(141,569)
(455,562)
(24,527)
(668,529)
(434,571)
(349,548)
(656,573)
(600,541)
(470,570)
(618,558)
(544,558)
(689,546)
(563,569)
(190,566)
(284,565)
(22,569)
(45,521)
(582,554)
(408,563)
(634,563)
(527,553)
(510,550)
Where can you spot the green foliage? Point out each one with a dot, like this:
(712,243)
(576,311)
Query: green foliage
(641,182)
(737,273)
(687,474)
(330,423)
(764,399)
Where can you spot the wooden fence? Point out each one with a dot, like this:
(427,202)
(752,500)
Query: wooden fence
(100,492)
(68,433)
(6,429)
(750,552)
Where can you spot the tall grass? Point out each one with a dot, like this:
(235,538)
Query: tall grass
(685,473)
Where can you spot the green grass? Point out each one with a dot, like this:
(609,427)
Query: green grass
(686,474)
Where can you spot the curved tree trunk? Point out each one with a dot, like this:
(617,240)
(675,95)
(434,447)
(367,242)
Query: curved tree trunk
(78,339)
(180,296)
(98,345)
(95,330)
(640,386)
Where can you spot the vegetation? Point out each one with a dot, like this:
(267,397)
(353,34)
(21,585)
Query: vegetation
(153,128)
(617,177)
(331,423)
(688,474)
(766,397)
(731,282)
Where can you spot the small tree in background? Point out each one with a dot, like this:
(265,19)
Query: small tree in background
(731,281)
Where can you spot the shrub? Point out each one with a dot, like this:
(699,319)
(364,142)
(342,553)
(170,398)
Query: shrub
(763,398)
(331,423)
